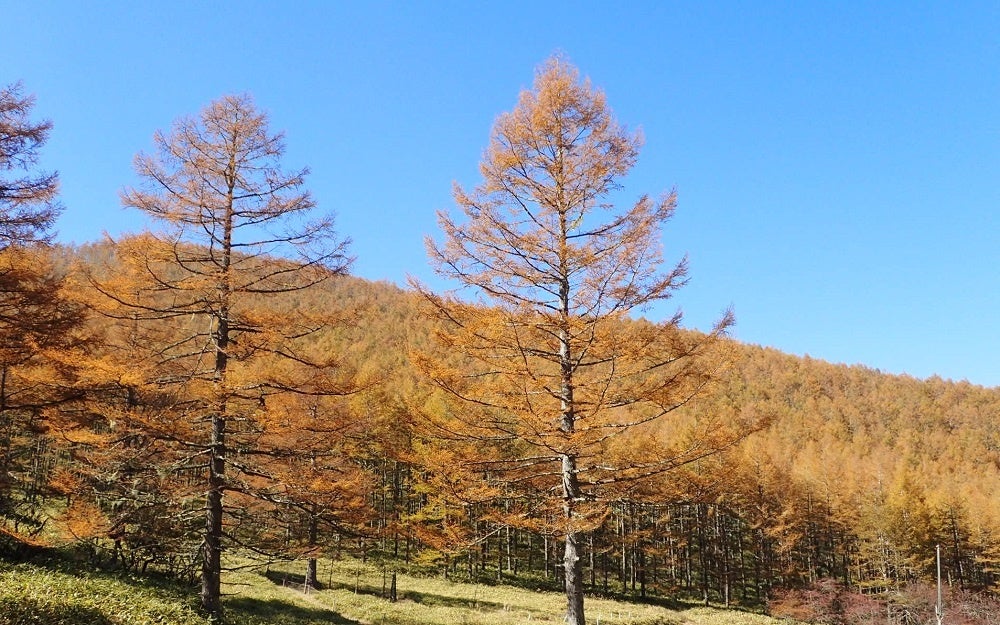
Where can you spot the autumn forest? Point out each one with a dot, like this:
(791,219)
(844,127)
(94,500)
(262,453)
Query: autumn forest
(220,384)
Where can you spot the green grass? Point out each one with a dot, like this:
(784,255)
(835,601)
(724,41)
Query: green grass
(33,594)
(351,592)
(58,595)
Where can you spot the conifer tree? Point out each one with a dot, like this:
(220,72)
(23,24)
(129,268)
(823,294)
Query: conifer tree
(238,239)
(38,325)
(41,338)
(557,371)
(27,199)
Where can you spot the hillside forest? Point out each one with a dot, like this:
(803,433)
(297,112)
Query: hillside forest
(220,384)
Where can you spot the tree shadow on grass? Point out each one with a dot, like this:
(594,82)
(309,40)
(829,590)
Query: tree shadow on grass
(661,601)
(281,612)
(291,580)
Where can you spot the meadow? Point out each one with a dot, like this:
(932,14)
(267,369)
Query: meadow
(58,593)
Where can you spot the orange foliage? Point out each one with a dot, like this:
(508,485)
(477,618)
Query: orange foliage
(553,371)
(82,520)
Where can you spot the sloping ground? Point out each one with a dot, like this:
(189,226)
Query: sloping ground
(56,595)
(353,590)
(34,595)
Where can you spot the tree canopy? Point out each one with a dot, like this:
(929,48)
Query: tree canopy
(28,206)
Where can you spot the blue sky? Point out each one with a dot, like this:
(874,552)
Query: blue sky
(837,164)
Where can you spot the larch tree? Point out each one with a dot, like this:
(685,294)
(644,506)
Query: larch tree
(218,284)
(323,484)
(41,338)
(37,323)
(28,204)
(561,387)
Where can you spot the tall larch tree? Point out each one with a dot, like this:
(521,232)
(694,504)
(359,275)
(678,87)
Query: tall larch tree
(558,370)
(239,239)
(37,323)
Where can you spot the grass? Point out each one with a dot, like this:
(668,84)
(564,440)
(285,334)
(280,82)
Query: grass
(57,594)
(352,592)
(53,595)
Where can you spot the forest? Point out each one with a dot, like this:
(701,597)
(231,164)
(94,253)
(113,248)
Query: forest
(221,385)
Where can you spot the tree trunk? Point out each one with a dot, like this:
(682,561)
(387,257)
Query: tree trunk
(574,580)
(211,565)
(641,556)
(572,564)
(545,555)
(312,580)
(590,556)
(211,568)
(956,542)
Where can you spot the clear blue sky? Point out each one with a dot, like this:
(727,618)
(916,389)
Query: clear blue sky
(837,163)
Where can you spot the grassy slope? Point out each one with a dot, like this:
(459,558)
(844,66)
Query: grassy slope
(32,594)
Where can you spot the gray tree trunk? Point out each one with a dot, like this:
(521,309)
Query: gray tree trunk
(573,566)
(211,564)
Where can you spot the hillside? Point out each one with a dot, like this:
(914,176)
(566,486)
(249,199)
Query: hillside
(857,478)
